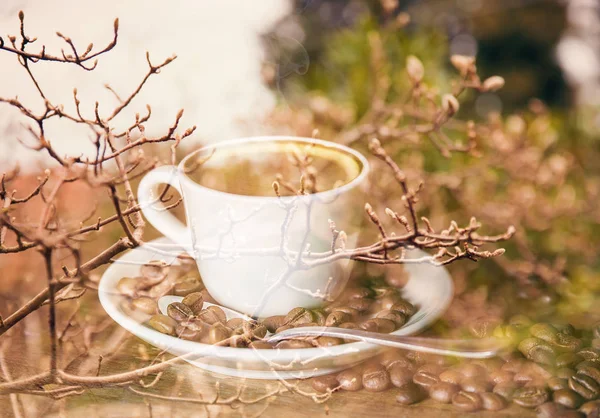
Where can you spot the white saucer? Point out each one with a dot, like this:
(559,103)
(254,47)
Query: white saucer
(429,288)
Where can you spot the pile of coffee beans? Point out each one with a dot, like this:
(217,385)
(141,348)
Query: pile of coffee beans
(375,306)
(554,369)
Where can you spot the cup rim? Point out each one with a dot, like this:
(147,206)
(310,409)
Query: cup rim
(281,138)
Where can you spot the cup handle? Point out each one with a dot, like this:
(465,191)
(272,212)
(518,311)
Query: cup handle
(155,211)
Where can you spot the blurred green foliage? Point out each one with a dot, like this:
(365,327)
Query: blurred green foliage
(341,69)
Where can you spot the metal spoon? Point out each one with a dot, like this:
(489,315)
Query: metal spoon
(473,348)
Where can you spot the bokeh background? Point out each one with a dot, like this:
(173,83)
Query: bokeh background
(280,66)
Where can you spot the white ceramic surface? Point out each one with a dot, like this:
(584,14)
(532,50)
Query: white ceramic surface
(429,288)
(245,246)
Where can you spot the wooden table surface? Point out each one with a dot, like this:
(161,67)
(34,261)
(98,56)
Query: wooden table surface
(185,380)
(189,381)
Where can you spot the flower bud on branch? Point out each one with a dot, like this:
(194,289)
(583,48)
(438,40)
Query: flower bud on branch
(415,69)
(450,104)
(494,83)
(464,64)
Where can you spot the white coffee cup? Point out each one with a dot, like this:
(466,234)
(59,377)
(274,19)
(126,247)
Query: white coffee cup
(256,254)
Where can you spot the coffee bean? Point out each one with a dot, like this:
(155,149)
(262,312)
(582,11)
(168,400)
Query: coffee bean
(589,354)
(255,330)
(260,345)
(239,341)
(467,401)
(501,377)
(394,357)
(433,368)
(163,324)
(492,401)
(587,363)
(319,316)
(336,318)
(324,384)
(129,286)
(353,313)
(187,333)
(442,392)
(567,343)
(298,316)
(195,301)
(514,365)
(537,350)
(293,344)
(416,357)
(327,341)
(564,328)
(195,324)
(542,354)
(584,385)
(384,326)
(425,379)
(542,371)
(356,293)
(396,317)
(544,332)
(351,379)
(410,394)
(375,378)
(360,304)
(212,315)
(565,373)
(589,370)
(283,328)
(510,333)
(220,313)
(490,365)
(591,409)
(235,324)
(246,328)
(187,285)
(178,311)
(155,271)
(400,375)
(551,410)
(568,398)
(369,325)
(520,321)
(532,372)
(475,384)
(568,359)
(556,383)
(452,376)
(273,322)
(145,304)
(473,370)
(217,333)
(530,397)
(404,307)
(389,299)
